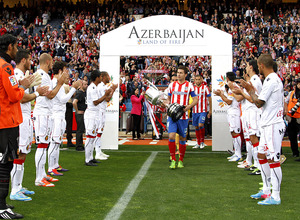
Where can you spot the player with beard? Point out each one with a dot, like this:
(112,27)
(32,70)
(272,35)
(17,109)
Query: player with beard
(42,119)
(23,61)
(271,100)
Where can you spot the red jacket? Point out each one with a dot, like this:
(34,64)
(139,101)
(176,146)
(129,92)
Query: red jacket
(136,104)
(10,96)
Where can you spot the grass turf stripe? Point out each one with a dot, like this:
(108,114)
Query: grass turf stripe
(123,201)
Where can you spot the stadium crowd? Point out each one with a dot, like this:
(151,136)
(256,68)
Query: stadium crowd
(75,43)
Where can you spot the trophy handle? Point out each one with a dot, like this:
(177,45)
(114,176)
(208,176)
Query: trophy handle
(151,84)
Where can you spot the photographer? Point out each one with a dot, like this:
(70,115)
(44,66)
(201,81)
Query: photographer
(292,112)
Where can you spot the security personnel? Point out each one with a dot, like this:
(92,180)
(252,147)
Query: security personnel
(292,111)
(11,92)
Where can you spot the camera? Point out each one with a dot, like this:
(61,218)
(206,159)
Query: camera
(295,108)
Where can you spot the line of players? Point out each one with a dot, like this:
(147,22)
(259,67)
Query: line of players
(49,120)
(262,122)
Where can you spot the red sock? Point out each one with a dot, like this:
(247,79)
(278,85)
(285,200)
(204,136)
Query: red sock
(202,133)
(198,136)
(172,149)
(182,148)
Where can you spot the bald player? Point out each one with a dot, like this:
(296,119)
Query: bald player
(42,120)
(271,100)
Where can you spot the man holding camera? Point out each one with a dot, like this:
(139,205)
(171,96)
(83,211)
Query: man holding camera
(292,114)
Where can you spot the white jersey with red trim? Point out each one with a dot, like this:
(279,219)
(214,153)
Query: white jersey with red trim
(25,107)
(101,87)
(234,108)
(180,93)
(257,84)
(92,95)
(272,94)
(44,105)
(203,93)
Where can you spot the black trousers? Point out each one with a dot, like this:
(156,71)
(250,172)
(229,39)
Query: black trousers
(8,149)
(69,121)
(80,129)
(136,125)
(293,131)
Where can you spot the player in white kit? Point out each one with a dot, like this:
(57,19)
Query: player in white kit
(42,114)
(91,116)
(58,112)
(233,115)
(250,116)
(23,61)
(102,88)
(271,100)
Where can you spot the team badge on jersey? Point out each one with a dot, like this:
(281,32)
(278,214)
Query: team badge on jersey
(93,131)
(46,138)
(13,80)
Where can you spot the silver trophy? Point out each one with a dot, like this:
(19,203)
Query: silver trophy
(158,98)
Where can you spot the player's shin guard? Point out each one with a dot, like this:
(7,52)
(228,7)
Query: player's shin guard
(5,170)
(254,153)
(198,135)
(172,148)
(202,133)
(17,175)
(265,175)
(182,148)
(249,151)
(98,144)
(40,161)
(276,177)
(237,142)
(56,155)
(89,148)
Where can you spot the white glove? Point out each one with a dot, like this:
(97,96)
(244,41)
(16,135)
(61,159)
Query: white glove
(37,79)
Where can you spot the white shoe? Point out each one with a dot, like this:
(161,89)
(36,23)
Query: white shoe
(243,165)
(228,158)
(244,161)
(235,159)
(202,145)
(100,157)
(196,146)
(103,154)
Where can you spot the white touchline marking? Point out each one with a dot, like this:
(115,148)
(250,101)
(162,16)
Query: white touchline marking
(116,212)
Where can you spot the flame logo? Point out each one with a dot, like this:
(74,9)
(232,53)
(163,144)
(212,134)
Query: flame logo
(221,103)
(222,81)
(139,42)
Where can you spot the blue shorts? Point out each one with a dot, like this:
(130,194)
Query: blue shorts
(199,118)
(179,127)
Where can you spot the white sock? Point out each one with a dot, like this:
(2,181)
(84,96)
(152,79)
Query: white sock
(237,146)
(40,161)
(255,159)
(17,178)
(51,157)
(56,155)
(249,152)
(266,177)
(89,148)
(276,178)
(98,145)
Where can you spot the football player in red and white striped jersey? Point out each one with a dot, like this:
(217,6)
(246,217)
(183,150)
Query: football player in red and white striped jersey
(201,109)
(179,92)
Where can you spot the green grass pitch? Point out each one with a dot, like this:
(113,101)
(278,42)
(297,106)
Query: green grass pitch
(208,187)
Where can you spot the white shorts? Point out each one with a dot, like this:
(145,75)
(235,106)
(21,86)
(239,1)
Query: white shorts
(252,117)
(234,123)
(101,122)
(91,126)
(26,135)
(43,128)
(245,126)
(271,140)
(58,130)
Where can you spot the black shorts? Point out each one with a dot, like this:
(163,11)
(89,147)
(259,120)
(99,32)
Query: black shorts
(9,143)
